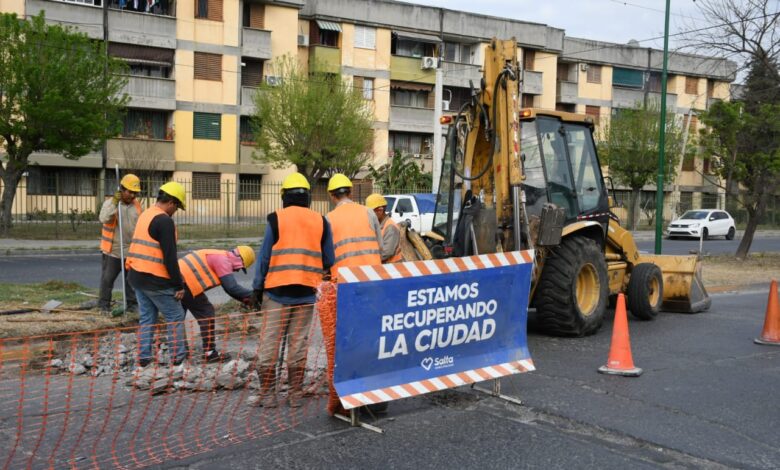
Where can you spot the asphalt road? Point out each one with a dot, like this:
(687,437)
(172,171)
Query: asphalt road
(707,399)
(717,246)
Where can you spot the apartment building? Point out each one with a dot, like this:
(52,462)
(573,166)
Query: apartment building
(195,65)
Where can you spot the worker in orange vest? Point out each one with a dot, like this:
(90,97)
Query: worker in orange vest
(297,252)
(124,201)
(153,271)
(203,270)
(391,234)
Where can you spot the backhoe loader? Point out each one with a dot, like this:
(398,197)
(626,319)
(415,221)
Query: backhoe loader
(519,179)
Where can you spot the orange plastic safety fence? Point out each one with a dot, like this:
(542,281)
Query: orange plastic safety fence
(326,306)
(81,400)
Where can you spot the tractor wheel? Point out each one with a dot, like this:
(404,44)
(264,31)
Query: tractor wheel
(645,291)
(571,297)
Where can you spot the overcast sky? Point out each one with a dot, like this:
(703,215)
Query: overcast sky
(605,20)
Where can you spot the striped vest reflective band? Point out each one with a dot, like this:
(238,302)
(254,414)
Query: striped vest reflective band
(145,254)
(197,273)
(296,258)
(353,238)
(396,258)
(107,233)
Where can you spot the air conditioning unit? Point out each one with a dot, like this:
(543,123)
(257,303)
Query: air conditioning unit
(417,155)
(584,67)
(303,39)
(270,80)
(445,105)
(429,63)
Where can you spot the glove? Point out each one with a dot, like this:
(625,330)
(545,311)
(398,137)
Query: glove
(117,197)
(257,298)
(326,276)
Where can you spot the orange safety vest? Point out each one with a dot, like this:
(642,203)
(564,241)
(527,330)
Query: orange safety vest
(353,238)
(145,254)
(397,256)
(296,257)
(107,232)
(197,273)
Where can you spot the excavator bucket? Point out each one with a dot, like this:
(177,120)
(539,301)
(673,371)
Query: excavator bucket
(684,290)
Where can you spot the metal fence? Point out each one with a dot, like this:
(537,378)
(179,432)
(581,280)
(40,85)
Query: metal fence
(63,210)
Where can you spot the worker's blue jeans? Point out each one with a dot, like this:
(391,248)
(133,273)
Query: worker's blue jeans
(149,302)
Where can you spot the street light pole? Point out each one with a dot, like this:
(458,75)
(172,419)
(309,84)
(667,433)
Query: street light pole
(659,196)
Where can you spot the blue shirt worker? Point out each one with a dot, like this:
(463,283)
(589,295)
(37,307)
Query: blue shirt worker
(296,254)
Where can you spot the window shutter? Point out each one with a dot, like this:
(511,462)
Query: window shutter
(257,16)
(627,77)
(691,85)
(252,73)
(357,84)
(431,103)
(205,185)
(594,73)
(207,126)
(208,66)
(215,10)
(529,56)
(594,112)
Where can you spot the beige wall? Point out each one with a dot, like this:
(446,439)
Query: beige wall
(721,91)
(12,6)
(598,91)
(547,64)
(381,144)
(284,26)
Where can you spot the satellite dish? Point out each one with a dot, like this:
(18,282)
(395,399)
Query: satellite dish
(633,43)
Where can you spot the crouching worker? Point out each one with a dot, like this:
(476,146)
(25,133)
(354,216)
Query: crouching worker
(297,250)
(203,270)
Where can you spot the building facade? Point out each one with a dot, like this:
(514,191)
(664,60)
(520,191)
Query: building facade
(195,65)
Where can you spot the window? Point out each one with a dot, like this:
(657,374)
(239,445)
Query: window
(247,134)
(249,187)
(693,127)
(564,72)
(527,101)
(594,112)
(691,85)
(208,66)
(365,37)
(251,72)
(208,9)
(145,124)
(254,15)
(409,48)
(627,78)
(364,86)
(567,107)
(207,126)
(594,73)
(162,7)
(325,33)
(404,205)
(654,82)
(410,94)
(144,61)
(408,143)
(205,185)
(689,162)
(61,181)
(529,57)
(710,88)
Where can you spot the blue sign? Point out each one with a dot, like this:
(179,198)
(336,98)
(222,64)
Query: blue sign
(403,330)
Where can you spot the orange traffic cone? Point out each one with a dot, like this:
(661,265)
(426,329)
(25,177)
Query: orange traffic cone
(620,361)
(771,333)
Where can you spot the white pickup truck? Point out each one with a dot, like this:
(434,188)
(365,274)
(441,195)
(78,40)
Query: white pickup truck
(417,208)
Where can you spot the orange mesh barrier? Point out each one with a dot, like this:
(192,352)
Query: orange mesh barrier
(80,400)
(326,306)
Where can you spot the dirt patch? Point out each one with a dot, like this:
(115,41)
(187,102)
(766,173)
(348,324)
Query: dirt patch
(725,270)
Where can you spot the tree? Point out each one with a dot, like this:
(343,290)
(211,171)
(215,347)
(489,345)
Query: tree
(314,121)
(53,97)
(745,137)
(629,145)
(401,173)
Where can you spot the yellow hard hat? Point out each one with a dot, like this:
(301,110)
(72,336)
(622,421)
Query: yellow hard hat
(338,181)
(295,181)
(375,200)
(131,183)
(247,255)
(174,189)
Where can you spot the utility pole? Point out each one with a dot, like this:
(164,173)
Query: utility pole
(438,94)
(104,149)
(659,193)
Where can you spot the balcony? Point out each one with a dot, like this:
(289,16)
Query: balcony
(248,100)
(407,119)
(566,92)
(248,164)
(256,44)
(151,92)
(532,83)
(458,74)
(142,153)
(630,98)
(407,69)
(325,59)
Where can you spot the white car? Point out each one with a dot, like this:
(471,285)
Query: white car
(703,223)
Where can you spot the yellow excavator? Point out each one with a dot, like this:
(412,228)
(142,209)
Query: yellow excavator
(519,179)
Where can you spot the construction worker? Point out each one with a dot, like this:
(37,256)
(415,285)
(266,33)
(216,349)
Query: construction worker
(153,271)
(203,270)
(357,236)
(391,234)
(124,201)
(296,253)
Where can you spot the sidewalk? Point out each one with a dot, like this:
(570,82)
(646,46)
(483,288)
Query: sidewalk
(17,247)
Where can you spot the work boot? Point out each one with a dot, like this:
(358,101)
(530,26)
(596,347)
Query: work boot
(295,376)
(267,397)
(213,356)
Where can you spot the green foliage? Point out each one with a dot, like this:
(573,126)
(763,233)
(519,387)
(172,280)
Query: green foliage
(312,120)
(401,173)
(54,96)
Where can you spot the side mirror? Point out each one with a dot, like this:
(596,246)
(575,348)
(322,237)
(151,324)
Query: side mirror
(712,217)
(400,213)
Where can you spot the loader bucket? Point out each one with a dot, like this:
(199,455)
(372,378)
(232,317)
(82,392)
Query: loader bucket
(684,290)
